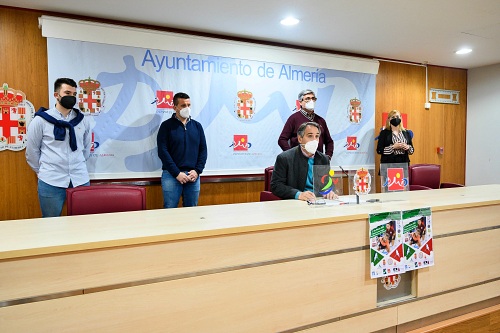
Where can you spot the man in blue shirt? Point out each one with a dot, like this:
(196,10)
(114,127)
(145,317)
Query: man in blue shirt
(182,150)
(58,145)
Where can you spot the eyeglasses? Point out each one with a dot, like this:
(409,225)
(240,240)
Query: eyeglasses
(307,99)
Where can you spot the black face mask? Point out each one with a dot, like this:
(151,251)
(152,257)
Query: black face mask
(67,102)
(395,121)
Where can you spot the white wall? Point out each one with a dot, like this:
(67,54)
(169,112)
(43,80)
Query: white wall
(483,126)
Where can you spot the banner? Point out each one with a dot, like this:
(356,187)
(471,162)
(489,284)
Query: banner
(241,104)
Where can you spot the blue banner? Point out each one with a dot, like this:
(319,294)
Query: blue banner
(242,105)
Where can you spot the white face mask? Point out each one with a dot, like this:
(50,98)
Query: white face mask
(311,146)
(184,113)
(310,105)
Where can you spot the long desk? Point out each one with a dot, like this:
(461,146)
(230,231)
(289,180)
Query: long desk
(278,266)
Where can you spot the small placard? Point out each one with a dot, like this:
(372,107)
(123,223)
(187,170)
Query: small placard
(444,96)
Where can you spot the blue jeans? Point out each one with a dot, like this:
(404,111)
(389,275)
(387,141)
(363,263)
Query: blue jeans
(52,198)
(173,190)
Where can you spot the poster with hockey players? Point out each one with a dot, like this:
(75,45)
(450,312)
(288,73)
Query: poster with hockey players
(417,233)
(386,244)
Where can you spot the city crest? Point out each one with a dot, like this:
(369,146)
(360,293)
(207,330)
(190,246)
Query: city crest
(354,111)
(245,105)
(90,97)
(15,114)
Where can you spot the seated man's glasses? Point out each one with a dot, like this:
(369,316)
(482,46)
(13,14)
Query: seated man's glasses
(307,99)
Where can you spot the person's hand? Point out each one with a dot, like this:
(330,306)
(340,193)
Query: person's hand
(192,175)
(405,146)
(331,195)
(307,195)
(182,178)
(397,145)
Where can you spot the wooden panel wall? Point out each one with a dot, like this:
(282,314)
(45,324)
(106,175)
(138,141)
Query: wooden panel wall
(399,86)
(402,87)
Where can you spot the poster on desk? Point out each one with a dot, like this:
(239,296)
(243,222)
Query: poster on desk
(417,233)
(386,244)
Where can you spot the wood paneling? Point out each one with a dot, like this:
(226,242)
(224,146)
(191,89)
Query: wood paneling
(460,261)
(402,87)
(259,299)
(24,67)
(399,86)
(58,273)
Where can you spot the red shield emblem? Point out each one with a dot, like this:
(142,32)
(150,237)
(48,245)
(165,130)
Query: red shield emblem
(354,111)
(245,105)
(90,97)
(15,114)
(362,181)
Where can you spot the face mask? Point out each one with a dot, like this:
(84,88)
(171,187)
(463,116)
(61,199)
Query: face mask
(67,102)
(395,121)
(310,105)
(184,113)
(311,146)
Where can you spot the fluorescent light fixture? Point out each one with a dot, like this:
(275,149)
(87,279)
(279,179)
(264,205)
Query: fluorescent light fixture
(464,51)
(289,21)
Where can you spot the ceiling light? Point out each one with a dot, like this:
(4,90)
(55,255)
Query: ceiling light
(463,51)
(289,21)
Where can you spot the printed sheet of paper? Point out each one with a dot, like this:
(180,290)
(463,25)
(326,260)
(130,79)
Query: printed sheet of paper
(386,244)
(417,233)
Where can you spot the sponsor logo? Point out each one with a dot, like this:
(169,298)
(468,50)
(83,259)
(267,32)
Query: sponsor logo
(240,143)
(352,143)
(94,144)
(164,99)
(395,180)
(328,183)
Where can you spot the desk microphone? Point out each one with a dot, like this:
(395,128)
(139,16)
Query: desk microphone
(347,175)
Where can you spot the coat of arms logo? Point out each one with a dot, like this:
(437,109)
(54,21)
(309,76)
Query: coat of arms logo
(245,105)
(15,115)
(354,111)
(362,181)
(90,97)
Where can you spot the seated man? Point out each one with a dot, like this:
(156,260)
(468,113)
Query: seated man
(293,169)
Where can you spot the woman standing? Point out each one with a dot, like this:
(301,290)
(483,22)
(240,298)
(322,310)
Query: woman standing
(394,142)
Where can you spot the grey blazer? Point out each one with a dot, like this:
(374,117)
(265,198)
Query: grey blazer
(290,172)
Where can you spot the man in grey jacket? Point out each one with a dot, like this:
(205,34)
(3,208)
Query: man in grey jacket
(293,169)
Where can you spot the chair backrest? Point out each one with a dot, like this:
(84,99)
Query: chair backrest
(268,175)
(425,174)
(450,185)
(268,196)
(98,199)
(419,187)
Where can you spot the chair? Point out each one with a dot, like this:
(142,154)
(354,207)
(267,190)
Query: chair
(267,195)
(428,175)
(419,188)
(268,175)
(98,199)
